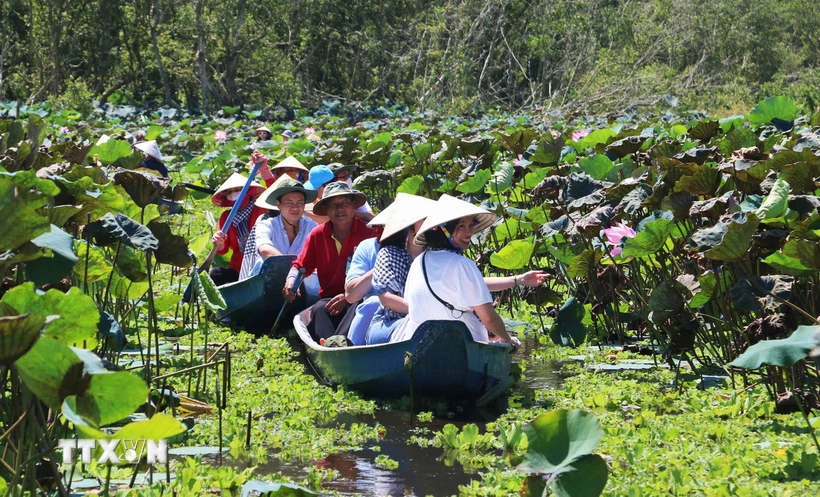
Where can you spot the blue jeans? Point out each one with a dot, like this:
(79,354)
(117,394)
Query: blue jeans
(380,331)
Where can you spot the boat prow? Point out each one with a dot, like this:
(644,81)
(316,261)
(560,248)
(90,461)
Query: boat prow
(441,359)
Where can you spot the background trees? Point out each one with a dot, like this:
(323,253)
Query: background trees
(584,55)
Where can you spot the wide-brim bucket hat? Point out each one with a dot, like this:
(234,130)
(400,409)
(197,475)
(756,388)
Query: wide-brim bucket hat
(262,129)
(449,208)
(149,148)
(290,163)
(407,210)
(338,189)
(283,186)
(235,182)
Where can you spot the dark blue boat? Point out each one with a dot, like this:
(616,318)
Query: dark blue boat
(441,359)
(254,303)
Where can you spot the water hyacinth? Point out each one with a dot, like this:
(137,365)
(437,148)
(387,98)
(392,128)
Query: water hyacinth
(616,235)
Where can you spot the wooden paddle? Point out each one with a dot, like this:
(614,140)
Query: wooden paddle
(206,264)
(286,304)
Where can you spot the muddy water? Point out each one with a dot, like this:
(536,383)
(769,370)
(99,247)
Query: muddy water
(421,470)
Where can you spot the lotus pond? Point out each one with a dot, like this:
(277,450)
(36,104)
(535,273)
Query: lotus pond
(671,351)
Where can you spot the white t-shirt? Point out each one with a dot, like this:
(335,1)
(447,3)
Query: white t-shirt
(456,280)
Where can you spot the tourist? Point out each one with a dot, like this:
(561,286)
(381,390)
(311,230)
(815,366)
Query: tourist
(319,177)
(344,174)
(328,250)
(263,134)
(152,157)
(393,263)
(290,166)
(282,234)
(237,234)
(442,284)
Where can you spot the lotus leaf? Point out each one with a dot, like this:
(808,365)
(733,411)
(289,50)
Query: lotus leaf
(110,151)
(131,264)
(786,264)
(726,242)
(588,478)
(45,270)
(547,152)
(78,313)
(59,214)
(109,329)
(568,329)
(784,352)
(774,205)
(650,239)
(595,221)
(804,204)
(805,251)
(32,189)
(209,295)
(557,440)
(702,180)
(753,293)
(475,183)
(173,249)
(265,489)
(580,185)
(597,166)
(110,397)
(625,146)
(20,223)
(92,265)
(679,204)
(597,137)
(665,301)
(584,263)
(129,231)
(703,131)
(507,230)
(501,180)
(552,228)
(18,334)
(782,108)
(514,255)
(634,200)
(800,176)
(697,155)
(52,371)
(143,188)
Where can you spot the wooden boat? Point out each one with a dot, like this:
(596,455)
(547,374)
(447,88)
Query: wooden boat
(442,360)
(254,303)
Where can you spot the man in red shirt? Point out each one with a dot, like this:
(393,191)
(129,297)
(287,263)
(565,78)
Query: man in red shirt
(328,250)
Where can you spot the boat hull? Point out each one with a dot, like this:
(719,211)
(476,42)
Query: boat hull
(441,359)
(254,303)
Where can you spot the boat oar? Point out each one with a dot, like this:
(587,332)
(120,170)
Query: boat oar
(206,264)
(283,310)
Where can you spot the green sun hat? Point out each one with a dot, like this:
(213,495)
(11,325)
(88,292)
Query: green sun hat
(338,189)
(283,186)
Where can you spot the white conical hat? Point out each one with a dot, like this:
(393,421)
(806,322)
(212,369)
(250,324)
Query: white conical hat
(292,163)
(235,182)
(382,217)
(406,211)
(449,208)
(150,148)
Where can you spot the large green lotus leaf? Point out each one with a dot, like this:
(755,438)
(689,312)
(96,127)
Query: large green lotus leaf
(779,107)
(649,240)
(703,131)
(533,486)
(18,334)
(584,263)
(633,201)
(476,182)
(19,223)
(737,139)
(805,251)
(59,242)
(173,249)
(266,489)
(597,137)
(703,180)
(784,352)
(568,329)
(77,311)
(59,214)
(98,267)
(625,146)
(501,180)
(476,146)
(159,427)
(129,231)
(727,242)
(665,301)
(800,176)
(110,151)
(514,255)
(209,294)
(31,188)
(411,185)
(754,293)
(143,188)
(587,478)
(131,264)
(111,396)
(45,270)
(597,166)
(52,371)
(507,230)
(581,185)
(553,228)
(787,264)
(109,329)
(774,205)
(547,152)
(557,439)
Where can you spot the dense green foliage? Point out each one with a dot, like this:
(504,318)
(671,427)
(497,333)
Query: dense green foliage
(587,55)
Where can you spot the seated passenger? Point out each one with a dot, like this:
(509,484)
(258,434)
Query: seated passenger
(392,264)
(328,250)
(237,234)
(291,166)
(444,285)
(319,178)
(152,158)
(284,234)
(344,174)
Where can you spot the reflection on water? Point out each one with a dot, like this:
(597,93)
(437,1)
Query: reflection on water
(421,470)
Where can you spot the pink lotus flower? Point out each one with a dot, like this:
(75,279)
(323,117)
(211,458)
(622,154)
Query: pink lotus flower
(309,131)
(517,162)
(577,135)
(64,129)
(221,135)
(616,235)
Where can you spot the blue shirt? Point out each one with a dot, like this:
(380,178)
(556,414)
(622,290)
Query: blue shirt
(364,259)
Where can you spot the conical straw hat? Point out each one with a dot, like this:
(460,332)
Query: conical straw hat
(150,148)
(235,182)
(407,211)
(291,163)
(449,208)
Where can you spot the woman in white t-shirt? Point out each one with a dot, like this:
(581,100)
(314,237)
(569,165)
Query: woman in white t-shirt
(442,284)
